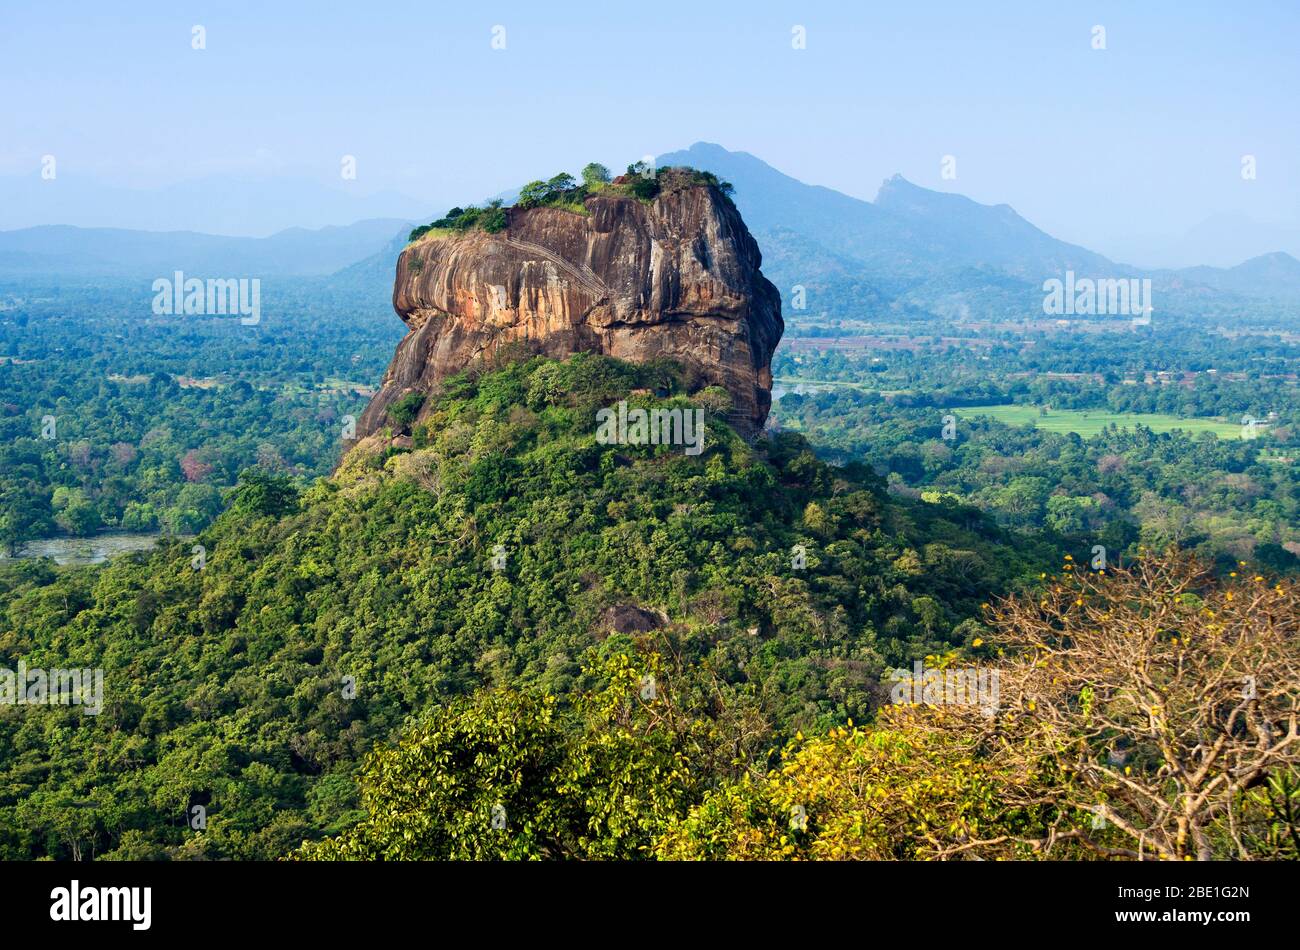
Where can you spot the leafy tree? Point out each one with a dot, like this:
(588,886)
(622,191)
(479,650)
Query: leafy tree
(595,173)
(264,493)
(532,194)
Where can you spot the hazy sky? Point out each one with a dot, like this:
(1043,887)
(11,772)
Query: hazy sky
(1145,137)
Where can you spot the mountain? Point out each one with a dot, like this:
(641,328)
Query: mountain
(66,251)
(952,228)
(914,251)
(909,255)
(1221,240)
(1270,276)
(913,247)
(247,206)
(372,274)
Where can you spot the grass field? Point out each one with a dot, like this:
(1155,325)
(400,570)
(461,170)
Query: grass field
(1089,422)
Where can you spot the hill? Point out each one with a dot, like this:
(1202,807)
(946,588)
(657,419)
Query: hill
(1274,276)
(505,546)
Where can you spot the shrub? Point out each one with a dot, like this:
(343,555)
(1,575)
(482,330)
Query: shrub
(404,410)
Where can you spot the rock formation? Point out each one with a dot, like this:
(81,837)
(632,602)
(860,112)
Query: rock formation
(676,277)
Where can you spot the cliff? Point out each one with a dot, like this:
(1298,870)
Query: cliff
(677,277)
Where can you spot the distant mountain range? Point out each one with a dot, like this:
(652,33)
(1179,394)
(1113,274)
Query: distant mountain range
(243,206)
(912,253)
(907,229)
(63,251)
(1220,240)
(916,248)
(1276,274)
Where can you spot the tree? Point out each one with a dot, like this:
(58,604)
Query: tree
(532,194)
(508,775)
(595,173)
(403,411)
(194,467)
(264,493)
(76,513)
(1070,514)
(883,793)
(560,183)
(1151,699)
(1162,694)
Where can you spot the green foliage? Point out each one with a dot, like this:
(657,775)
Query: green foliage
(594,174)
(491,218)
(507,776)
(403,411)
(226,686)
(565,192)
(852,794)
(560,191)
(264,494)
(157,417)
(494,219)
(1112,463)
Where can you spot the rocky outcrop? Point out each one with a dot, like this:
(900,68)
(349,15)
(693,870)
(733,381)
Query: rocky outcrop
(677,277)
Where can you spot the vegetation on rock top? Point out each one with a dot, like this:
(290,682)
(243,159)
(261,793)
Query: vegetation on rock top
(640,181)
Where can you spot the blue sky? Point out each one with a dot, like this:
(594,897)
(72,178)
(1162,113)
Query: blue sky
(1097,146)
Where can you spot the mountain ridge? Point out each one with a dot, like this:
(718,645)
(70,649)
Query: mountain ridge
(920,247)
(67,250)
(913,250)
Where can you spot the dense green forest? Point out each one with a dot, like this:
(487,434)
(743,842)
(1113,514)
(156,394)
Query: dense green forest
(1107,738)
(112,417)
(226,686)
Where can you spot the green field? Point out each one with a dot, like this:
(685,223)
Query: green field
(1088,422)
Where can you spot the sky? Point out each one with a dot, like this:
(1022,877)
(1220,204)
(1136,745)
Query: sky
(1122,149)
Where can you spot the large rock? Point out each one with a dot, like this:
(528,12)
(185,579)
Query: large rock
(677,278)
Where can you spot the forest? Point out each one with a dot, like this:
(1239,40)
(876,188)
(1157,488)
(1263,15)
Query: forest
(487,635)
(116,418)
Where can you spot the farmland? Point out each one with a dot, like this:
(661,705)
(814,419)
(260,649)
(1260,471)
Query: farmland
(1089,422)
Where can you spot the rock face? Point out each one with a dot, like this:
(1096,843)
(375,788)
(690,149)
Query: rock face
(676,278)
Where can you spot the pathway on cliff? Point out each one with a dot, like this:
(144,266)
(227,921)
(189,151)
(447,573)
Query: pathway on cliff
(581,272)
